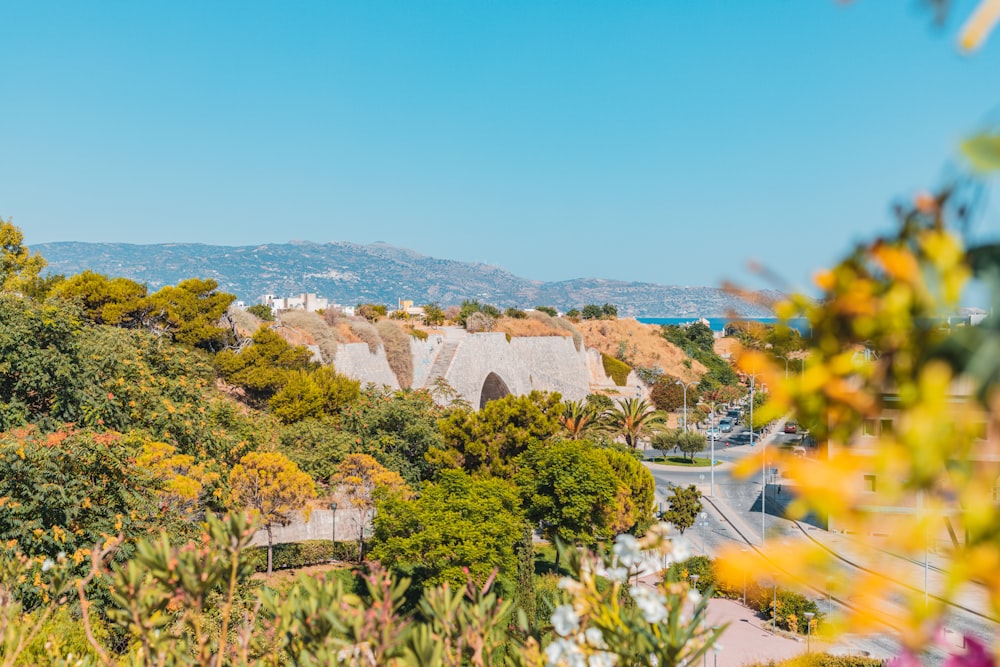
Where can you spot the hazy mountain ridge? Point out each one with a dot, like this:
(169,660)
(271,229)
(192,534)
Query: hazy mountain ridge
(349,273)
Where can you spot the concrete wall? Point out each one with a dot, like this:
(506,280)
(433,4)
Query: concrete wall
(523,364)
(319,527)
(356,361)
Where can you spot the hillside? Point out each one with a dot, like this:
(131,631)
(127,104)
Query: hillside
(643,346)
(348,273)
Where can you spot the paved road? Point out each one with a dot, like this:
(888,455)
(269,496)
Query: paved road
(737,502)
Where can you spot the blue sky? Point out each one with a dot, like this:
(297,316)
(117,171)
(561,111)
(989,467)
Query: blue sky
(667,142)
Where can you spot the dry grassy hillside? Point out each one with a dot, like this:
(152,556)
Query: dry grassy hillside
(644,346)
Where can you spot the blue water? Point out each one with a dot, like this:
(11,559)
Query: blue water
(719,323)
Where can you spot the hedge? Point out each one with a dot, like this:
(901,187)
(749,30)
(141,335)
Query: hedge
(300,554)
(822,660)
(617,370)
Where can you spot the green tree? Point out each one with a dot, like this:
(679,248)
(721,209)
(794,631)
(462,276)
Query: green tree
(591,312)
(457,527)
(688,442)
(66,490)
(18,267)
(683,505)
(116,301)
(568,488)
(360,478)
(262,311)
(433,315)
(273,488)
(635,494)
(298,398)
(634,418)
(397,428)
(577,419)
(189,313)
(262,368)
(317,446)
(486,442)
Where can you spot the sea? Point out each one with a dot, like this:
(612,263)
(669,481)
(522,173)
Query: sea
(718,324)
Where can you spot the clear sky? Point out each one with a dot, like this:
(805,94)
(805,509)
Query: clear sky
(659,141)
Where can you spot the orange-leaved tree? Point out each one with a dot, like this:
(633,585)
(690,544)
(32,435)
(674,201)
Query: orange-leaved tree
(360,478)
(272,487)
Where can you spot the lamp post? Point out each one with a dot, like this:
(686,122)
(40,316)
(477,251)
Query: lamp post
(809,622)
(744,550)
(715,647)
(702,524)
(712,494)
(685,388)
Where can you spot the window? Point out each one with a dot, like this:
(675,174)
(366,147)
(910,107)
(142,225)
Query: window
(869,427)
(885,426)
(870,483)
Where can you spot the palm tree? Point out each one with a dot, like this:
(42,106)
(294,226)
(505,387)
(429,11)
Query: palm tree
(577,418)
(632,418)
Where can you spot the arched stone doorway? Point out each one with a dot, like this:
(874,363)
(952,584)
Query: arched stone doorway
(493,388)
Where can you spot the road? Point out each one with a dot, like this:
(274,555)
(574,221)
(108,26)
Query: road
(733,515)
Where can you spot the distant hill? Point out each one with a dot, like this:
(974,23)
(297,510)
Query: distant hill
(348,273)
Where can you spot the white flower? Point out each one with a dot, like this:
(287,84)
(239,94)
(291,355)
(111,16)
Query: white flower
(565,620)
(693,596)
(627,550)
(616,574)
(595,638)
(564,652)
(677,550)
(653,660)
(47,564)
(602,659)
(652,605)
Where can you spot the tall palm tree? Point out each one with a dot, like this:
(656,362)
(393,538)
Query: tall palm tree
(633,418)
(577,419)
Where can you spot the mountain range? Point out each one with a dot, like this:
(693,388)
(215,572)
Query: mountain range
(348,273)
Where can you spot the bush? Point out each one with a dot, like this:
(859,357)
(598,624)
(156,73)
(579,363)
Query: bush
(263,311)
(515,313)
(791,606)
(616,370)
(301,554)
(548,310)
(419,334)
(822,660)
(397,351)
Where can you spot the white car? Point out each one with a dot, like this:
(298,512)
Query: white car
(713,433)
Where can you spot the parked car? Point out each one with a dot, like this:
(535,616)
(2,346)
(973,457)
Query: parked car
(734,415)
(726,425)
(791,427)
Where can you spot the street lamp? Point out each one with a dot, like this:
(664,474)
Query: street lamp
(685,387)
(715,647)
(703,523)
(744,580)
(809,622)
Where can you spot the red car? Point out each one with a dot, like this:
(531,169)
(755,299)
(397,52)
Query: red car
(791,427)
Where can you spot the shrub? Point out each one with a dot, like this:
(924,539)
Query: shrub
(822,660)
(316,326)
(262,311)
(790,609)
(548,310)
(419,334)
(616,370)
(515,313)
(301,554)
(397,351)
(367,333)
